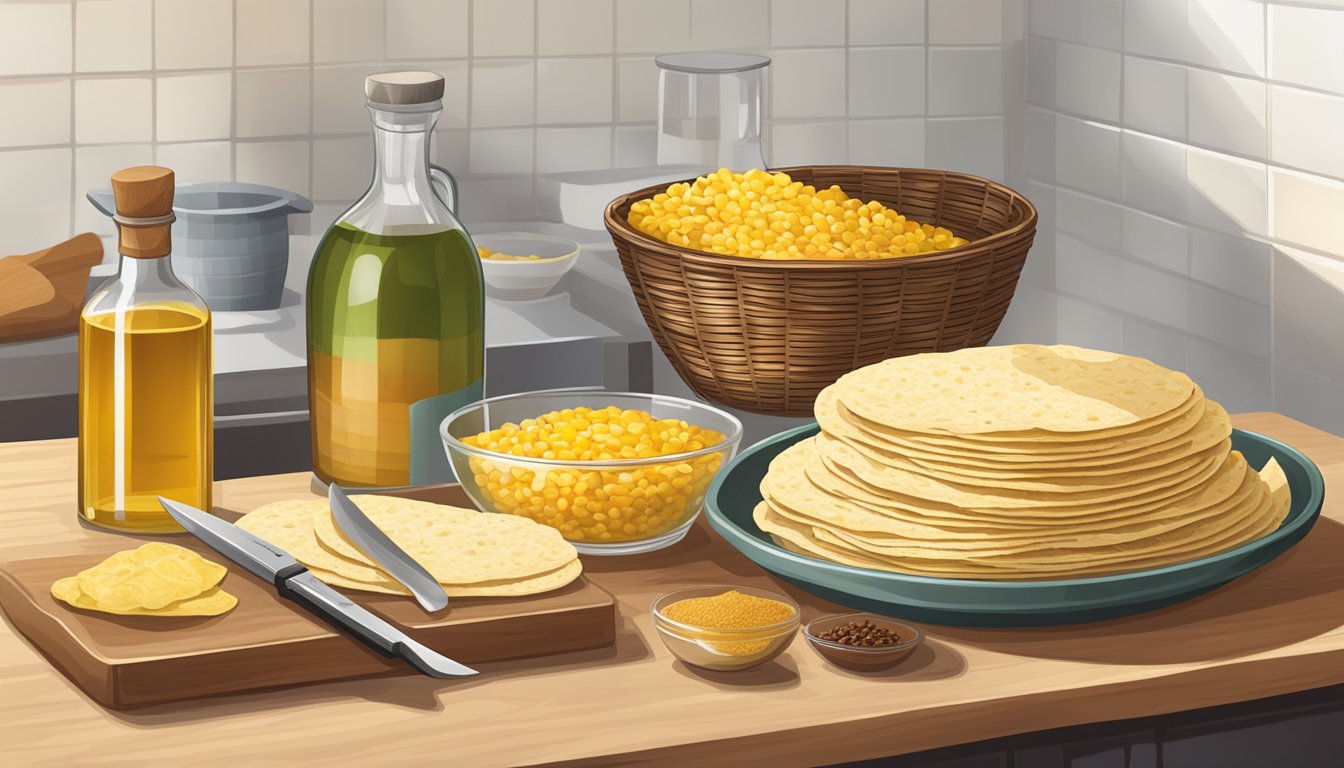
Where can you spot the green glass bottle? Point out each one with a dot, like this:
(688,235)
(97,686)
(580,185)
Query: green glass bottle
(396,307)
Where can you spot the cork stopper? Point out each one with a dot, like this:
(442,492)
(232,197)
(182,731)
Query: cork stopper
(144,198)
(403,88)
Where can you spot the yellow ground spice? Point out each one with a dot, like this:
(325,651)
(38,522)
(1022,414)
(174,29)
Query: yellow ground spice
(730,610)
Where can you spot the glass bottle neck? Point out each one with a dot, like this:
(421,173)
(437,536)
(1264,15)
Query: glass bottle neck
(401,199)
(401,155)
(155,272)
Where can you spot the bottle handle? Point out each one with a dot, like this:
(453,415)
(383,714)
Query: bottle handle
(445,185)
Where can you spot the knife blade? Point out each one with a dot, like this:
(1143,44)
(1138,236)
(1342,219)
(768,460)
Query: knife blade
(294,582)
(371,540)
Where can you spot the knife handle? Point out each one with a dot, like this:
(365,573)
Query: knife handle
(310,592)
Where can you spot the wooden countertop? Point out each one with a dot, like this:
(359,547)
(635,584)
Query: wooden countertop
(1276,631)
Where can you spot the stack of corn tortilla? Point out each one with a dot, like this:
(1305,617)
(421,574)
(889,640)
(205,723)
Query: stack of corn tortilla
(470,553)
(1017,462)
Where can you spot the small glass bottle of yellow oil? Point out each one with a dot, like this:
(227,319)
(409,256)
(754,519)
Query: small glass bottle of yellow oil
(145,388)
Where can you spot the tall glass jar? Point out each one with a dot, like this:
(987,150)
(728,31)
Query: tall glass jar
(396,307)
(146,413)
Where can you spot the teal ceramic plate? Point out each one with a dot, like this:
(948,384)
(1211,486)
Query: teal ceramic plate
(970,603)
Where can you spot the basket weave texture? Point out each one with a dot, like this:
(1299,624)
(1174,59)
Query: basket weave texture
(767,336)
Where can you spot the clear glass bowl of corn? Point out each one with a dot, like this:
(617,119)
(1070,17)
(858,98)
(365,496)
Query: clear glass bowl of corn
(615,472)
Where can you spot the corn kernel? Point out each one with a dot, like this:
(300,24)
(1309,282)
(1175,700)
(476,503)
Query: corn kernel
(598,504)
(770,216)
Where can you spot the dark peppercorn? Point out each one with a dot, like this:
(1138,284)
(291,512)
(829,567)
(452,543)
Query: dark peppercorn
(865,635)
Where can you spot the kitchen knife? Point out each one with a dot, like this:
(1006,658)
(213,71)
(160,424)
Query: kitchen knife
(267,561)
(371,540)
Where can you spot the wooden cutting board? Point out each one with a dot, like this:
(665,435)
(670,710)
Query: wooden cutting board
(266,641)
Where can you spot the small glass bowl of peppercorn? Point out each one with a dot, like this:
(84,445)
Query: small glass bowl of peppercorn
(862,642)
(725,628)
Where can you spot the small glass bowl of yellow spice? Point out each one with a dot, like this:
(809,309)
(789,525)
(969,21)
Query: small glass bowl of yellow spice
(725,628)
(615,472)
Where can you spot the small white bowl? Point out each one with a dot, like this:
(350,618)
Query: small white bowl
(530,279)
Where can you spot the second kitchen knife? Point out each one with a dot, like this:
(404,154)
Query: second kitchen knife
(267,561)
(371,540)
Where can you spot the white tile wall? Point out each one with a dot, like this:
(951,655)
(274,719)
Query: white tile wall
(574,90)
(1155,97)
(429,29)
(114,110)
(965,22)
(1306,130)
(972,145)
(273,102)
(574,27)
(111,36)
(1228,34)
(897,143)
(284,164)
(197,161)
(1096,23)
(502,28)
(1184,154)
(636,90)
(194,107)
(636,146)
(716,25)
(809,143)
(35,38)
(963,81)
(796,23)
(502,92)
(1307,211)
(573,149)
(1087,81)
(644,27)
(883,82)
(271,90)
(1087,155)
(1226,193)
(1304,46)
(502,151)
(193,34)
(804,81)
(1158,241)
(271,32)
(38,112)
(347,30)
(1229,260)
(36,213)
(341,168)
(1227,113)
(886,22)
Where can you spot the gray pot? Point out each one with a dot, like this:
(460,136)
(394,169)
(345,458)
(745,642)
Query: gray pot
(230,240)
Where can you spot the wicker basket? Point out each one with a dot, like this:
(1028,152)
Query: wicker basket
(767,336)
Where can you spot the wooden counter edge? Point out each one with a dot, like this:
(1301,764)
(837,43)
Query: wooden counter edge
(920,730)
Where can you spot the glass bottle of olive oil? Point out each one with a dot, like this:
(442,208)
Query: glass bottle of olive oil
(145,387)
(395,308)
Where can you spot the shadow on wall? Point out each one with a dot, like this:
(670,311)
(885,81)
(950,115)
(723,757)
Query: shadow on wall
(1309,343)
(1144,244)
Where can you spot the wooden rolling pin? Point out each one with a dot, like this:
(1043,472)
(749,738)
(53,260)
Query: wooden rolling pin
(41,293)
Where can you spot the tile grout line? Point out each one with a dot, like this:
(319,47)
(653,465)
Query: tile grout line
(849,134)
(533,204)
(928,27)
(615,87)
(1270,207)
(312,100)
(74,193)
(233,81)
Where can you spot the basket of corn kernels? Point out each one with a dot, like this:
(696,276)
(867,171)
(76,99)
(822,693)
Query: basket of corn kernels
(762,288)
